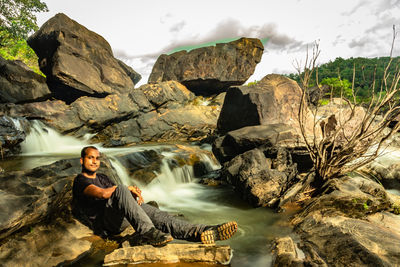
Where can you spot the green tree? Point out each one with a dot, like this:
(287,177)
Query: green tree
(368,74)
(339,88)
(17,21)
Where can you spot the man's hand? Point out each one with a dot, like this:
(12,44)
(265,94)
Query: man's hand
(137,194)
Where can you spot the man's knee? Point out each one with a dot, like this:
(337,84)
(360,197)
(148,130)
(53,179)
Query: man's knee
(122,190)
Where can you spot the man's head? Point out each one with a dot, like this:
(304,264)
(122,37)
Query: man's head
(90,160)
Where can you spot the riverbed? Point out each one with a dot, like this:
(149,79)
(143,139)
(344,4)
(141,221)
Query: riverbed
(176,190)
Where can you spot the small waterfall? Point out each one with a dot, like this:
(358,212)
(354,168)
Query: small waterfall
(121,171)
(43,140)
(17,123)
(176,188)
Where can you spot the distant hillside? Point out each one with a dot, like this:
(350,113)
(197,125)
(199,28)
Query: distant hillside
(364,75)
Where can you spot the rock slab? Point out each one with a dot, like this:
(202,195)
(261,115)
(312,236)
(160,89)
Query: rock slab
(169,254)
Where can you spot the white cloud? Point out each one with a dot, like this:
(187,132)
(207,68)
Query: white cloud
(139,31)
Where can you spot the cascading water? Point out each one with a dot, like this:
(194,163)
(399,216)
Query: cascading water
(43,140)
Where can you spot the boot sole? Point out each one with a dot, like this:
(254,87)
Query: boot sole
(162,243)
(223,232)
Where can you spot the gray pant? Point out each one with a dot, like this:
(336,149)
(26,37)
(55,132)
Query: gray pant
(123,210)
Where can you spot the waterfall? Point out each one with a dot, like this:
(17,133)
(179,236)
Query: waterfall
(121,171)
(172,183)
(43,140)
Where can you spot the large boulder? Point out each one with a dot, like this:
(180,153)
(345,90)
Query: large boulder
(261,177)
(241,140)
(210,70)
(78,62)
(20,84)
(274,99)
(355,197)
(348,224)
(341,241)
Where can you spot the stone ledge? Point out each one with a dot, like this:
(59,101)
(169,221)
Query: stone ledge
(169,254)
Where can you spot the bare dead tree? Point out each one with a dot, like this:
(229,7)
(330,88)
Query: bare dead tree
(334,149)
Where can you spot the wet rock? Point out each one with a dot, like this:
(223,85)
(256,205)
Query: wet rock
(13,131)
(27,197)
(258,179)
(210,70)
(286,253)
(165,94)
(275,99)
(78,62)
(170,253)
(20,84)
(141,166)
(211,182)
(329,240)
(241,140)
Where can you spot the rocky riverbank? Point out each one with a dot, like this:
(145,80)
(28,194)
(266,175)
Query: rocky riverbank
(190,96)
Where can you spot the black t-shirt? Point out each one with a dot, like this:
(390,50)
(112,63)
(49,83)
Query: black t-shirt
(90,208)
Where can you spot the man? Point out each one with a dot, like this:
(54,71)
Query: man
(108,209)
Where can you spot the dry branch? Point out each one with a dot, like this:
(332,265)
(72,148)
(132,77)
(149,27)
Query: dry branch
(347,141)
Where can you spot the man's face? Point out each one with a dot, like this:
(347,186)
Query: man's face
(91,161)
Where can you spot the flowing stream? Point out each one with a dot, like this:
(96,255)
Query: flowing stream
(175,189)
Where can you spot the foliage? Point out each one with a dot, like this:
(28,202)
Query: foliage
(17,21)
(338,87)
(368,72)
(20,50)
(252,83)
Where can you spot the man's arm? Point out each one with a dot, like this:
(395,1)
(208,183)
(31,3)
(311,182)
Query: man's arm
(98,192)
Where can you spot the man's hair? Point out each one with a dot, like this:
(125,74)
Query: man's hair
(83,151)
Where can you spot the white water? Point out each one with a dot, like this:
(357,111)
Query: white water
(43,140)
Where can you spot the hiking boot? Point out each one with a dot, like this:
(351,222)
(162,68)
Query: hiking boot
(218,232)
(156,238)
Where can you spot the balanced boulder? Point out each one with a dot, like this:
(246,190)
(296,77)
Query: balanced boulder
(212,69)
(78,61)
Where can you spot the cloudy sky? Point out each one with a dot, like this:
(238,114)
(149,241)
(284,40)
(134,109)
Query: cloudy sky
(140,31)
